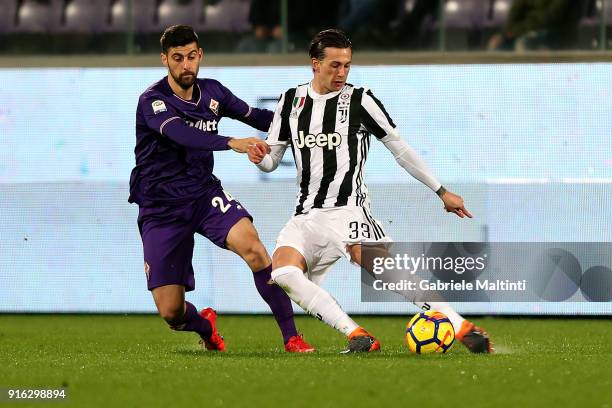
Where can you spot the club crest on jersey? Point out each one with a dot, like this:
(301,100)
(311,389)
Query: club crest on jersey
(329,140)
(214,106)
(158,106)
(343,107)
(298,101)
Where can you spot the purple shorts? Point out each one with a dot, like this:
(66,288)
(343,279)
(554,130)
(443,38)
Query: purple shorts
(167,235)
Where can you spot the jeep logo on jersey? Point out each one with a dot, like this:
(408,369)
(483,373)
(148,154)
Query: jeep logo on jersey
(331,140)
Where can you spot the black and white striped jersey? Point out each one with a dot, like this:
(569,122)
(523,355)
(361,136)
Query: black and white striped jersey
(329,136)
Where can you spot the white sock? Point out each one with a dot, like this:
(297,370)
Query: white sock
(445,308)
(313,299)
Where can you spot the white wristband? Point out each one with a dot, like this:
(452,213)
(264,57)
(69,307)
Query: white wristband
(266,164)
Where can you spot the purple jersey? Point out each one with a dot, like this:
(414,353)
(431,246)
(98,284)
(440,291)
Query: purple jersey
(175,140)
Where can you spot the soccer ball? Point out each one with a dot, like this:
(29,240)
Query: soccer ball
(429,332)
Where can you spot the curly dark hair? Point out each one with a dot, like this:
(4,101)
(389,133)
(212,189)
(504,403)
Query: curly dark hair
(177,36)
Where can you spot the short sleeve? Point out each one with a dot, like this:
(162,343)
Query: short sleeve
(376,119)
(280,131)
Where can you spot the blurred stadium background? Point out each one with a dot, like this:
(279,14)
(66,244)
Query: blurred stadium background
(133,26)
(510,111)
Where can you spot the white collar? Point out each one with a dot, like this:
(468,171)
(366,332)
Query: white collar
(314,95)
(186,101)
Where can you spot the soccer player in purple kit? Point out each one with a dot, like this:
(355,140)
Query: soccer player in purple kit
(178,195)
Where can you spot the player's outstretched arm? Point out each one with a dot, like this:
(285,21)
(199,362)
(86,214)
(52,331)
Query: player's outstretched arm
(417,168)
(378,122)
(167,121)
(235,108)
(242,145)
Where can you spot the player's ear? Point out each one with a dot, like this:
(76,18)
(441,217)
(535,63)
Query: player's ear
(164,59)
(200,53)
(315,64)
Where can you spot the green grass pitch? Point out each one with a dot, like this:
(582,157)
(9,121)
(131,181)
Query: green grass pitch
(135,361)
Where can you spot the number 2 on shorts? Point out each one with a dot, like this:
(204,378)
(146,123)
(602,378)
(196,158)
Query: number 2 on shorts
(218,202)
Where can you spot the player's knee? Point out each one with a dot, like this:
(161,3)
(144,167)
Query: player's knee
(255,254)
(290,278)
(172,314)
(288,256)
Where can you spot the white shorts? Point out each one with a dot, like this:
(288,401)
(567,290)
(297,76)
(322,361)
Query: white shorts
(323,235)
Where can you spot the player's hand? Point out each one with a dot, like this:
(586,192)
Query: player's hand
(242,145)
(454,203)
(257,152)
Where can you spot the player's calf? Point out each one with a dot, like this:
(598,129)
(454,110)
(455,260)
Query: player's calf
(170,303)
(173,315)
(279,304)
(244,241)
(189,320)
(319,303)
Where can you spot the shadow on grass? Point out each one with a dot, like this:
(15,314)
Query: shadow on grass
(328,354)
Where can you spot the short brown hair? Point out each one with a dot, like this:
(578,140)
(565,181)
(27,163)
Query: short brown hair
(328,38)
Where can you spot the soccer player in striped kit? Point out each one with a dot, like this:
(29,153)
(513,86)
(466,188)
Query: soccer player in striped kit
(328,124)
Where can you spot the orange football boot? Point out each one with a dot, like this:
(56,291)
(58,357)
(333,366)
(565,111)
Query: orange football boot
(360,341)
(474,338)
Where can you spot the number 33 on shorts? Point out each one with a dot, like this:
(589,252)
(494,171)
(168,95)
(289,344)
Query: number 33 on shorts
(222,205)
(359,230)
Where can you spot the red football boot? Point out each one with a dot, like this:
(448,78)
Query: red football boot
(296,344)
(215,341)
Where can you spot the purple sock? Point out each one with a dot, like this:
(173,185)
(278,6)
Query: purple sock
(192,321)
(279,302)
